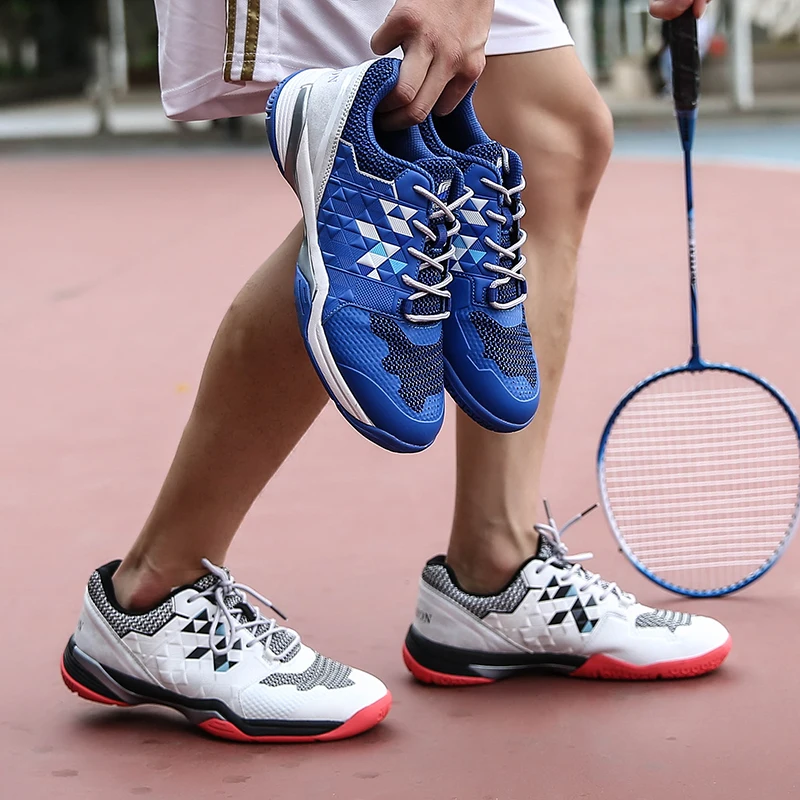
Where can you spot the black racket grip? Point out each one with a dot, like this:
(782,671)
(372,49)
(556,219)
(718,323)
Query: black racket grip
(682,37)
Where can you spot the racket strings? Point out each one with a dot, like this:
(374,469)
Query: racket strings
(701,476)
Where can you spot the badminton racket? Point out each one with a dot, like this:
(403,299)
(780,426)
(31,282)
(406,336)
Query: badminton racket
(699,464)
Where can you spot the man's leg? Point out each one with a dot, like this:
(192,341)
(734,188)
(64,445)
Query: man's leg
(195,643)
(518,612)
(544,106)
(257,397)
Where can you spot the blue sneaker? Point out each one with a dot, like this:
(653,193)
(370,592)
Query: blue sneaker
(490,365)
(372,274)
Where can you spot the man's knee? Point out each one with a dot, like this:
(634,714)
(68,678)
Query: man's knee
(595,131)
(598,135)
(546,107)
(571,143)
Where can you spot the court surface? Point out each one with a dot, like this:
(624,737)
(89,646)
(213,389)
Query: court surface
(116,270)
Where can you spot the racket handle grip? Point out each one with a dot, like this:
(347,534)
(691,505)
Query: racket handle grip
(682,38)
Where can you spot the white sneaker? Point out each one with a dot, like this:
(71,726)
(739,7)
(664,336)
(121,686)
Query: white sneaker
(208,653)
(553,615)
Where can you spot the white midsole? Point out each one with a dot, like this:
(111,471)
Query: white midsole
(305,186)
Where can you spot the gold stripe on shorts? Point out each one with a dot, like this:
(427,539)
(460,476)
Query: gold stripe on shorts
(230,38)
(251,39)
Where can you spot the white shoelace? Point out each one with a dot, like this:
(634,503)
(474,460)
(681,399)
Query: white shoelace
(572,564)
(235,619)
(440,262)
(512,253)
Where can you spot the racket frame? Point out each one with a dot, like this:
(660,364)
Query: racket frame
(694,365)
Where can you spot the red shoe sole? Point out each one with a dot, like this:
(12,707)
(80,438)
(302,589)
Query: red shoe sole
(608,668)
(365,719)
(360,722)
(598,666)
(425,675)
(87,694)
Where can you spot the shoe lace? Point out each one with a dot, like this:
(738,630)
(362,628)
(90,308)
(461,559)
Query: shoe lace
(443,212)
(571,564)
(512,252)
(237,614)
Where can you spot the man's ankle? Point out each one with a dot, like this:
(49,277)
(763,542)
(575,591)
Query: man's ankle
(489,567)
(139,585)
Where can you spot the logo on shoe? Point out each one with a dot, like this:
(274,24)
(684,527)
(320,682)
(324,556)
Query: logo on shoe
(423,616)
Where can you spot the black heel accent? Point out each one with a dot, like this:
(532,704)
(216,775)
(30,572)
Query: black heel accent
(439,658)
(76,671)
(465,663)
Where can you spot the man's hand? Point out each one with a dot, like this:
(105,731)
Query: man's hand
(670,9)
(443,45)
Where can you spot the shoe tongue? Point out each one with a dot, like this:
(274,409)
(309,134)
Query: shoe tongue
(234,600)
(205,582)
(449,185)
(447,178)
(236,603)
(493,153)
(488,151)
(547,549)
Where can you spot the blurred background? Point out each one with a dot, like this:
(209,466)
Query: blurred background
(78,68)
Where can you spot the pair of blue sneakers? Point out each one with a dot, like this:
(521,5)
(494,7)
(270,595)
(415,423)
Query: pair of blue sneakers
(409,277)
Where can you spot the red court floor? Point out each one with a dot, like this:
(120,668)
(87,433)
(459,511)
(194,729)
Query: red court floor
(115,271)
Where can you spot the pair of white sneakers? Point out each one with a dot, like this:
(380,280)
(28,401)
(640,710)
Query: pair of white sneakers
(211,653)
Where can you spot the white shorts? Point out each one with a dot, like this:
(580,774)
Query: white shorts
(221,59)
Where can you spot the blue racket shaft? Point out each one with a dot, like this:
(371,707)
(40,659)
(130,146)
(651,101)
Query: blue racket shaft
(699,464)
(682,34)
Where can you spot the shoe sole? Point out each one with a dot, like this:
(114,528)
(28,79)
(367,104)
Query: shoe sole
(450,666)
(474,410)
(286,121)
(92,681)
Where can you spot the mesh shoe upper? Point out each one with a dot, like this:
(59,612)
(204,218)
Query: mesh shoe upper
(401,361)
(509,347)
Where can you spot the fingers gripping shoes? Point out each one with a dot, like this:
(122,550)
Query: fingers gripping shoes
(490,366)
(553,615)
(209,653)
(372,276)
